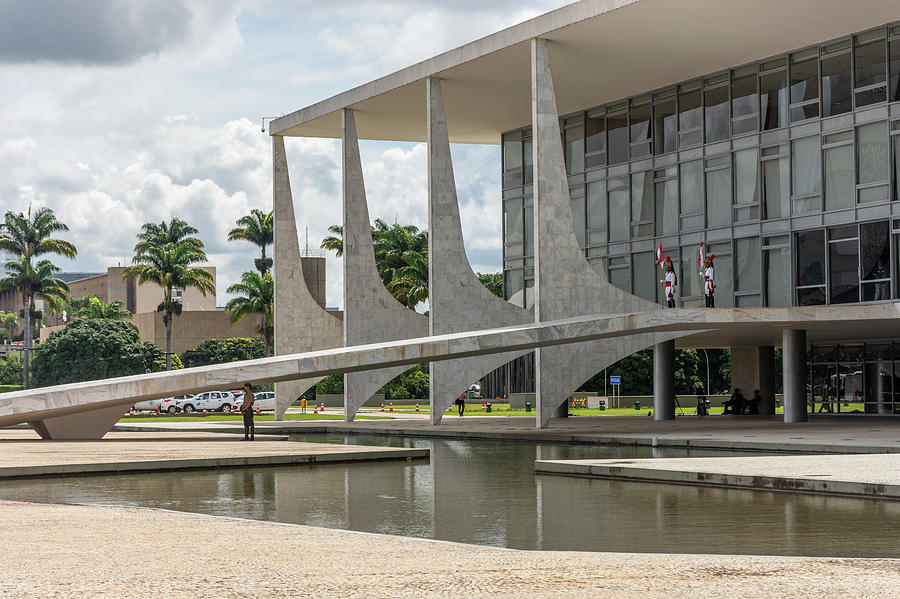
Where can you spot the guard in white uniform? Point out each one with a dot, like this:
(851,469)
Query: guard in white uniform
(709,285)
(671,281)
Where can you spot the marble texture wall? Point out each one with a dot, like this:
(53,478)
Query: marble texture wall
(301,324)
(458,301)
(371,313)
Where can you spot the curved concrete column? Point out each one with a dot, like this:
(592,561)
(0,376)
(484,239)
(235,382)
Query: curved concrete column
(92,424)
(565,284)
(371,313)
(457,299)
(301,325)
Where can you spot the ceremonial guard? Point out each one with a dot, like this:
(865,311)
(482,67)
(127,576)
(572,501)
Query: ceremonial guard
(709,286)
(671,281)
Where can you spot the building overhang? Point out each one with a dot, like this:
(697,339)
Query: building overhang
(601,51)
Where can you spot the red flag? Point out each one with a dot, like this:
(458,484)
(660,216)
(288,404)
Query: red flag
(659,254)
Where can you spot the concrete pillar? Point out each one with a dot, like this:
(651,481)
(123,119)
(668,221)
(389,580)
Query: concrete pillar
(457,299)
(664,381)
(754,368)
(565,284)
(371,313)
(793,352)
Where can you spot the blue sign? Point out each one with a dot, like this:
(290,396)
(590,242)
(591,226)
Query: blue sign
(615,380)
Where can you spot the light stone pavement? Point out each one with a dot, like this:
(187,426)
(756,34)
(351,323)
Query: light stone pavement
(23,454)
(67,551)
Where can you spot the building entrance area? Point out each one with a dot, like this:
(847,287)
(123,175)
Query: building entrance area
(861,378)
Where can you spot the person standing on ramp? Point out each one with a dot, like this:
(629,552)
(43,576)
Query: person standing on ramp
(247,411)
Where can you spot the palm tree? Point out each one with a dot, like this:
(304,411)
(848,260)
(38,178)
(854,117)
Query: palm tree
(170,266)
(176,231)
(91,306)
(410,282)
(28,236)
(334,242)
(257,297)
(257,228)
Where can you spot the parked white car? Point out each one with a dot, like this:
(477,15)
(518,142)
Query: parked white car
(265,401)
(167,404)
(211,401)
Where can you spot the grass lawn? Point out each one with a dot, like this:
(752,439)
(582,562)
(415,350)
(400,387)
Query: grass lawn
(239,418)
(502,409)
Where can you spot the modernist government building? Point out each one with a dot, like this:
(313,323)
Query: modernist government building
(768,131)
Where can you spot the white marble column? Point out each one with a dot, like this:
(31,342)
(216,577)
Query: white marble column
(301,325)
(371,313)
(565,284)
(793,355)
(457,299)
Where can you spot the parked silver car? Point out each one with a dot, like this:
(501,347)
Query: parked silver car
(166,404)
(211,401)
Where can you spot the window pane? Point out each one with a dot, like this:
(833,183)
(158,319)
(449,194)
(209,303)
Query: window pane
(618,138)
(894,87)
(645,275)
(595,141)
(872,153)
(811,296)
(896,167)
(724,274)
(743,95)
(844,271)
(875,259)
(665,124)
(692,187)
(618,215)
(717,114)
(804,81)
(514,227)
(776,187)
(575,149)
(747,259)
(773,96)
(778,276)
(512,150)
(640,130)
(596,205)
(839,178)
(514,287)
(667,207)
(869,63)
(642,204)
(578,215)
(529,230)
(718,197)
(690,117)
(811,258)
(621,278)
(528,158)
(805,165)
(689,277)
(746,179)
(836,85)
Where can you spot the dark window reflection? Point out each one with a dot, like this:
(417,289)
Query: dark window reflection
(811,258)
(773,100)
(836,88)
(617,125)
(640,130)
(665,126)
(805,89)
(716,114)
(690,116)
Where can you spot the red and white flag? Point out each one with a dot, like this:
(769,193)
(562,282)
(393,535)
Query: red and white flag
(700,256)
(659,254)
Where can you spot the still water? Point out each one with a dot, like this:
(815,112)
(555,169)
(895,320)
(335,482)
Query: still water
(486,493)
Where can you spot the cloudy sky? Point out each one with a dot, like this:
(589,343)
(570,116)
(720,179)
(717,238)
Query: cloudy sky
(115,113)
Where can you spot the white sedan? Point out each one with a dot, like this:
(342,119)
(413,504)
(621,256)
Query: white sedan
(166,404)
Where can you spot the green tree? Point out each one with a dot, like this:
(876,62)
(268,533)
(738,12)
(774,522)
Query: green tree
(409,284)
(29,236)
(257,296)
(91,306)
(493,281)
(171,267)
(335,241)
(257,228)
(220,351)
(89,349)
(175,232)
(8,323)
(11,369)
(687,372)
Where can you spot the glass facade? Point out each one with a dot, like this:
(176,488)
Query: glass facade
(788,169)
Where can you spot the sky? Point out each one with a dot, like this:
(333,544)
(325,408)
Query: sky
(116,113)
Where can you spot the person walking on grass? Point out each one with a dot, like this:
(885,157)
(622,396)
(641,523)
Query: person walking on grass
(247,411)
